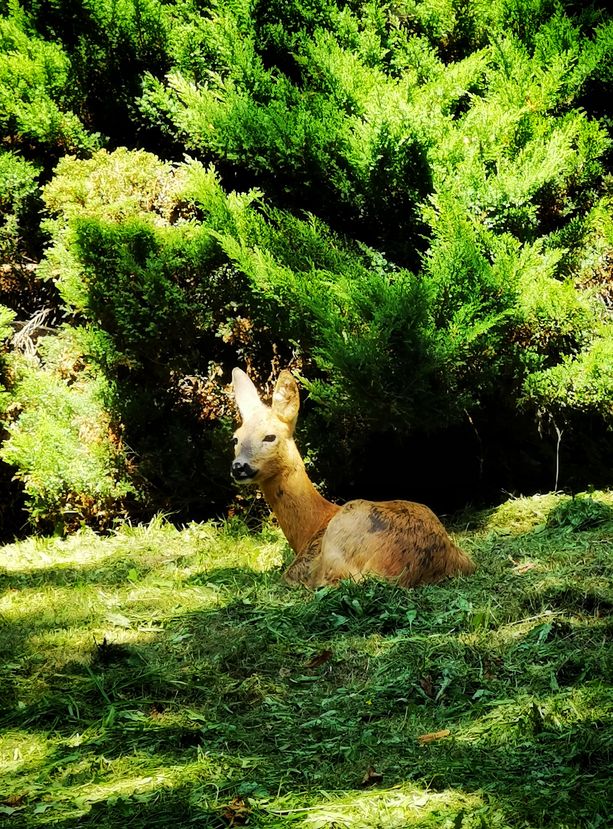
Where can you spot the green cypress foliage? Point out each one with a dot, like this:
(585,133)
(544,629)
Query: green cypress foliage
(409,202)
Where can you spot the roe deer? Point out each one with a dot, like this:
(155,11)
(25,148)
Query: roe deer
(396,540)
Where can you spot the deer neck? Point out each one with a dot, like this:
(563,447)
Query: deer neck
(300,510)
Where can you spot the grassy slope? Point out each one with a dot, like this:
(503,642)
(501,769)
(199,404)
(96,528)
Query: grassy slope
(163,677)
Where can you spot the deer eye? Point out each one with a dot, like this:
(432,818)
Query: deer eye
(269,438)
(235,440)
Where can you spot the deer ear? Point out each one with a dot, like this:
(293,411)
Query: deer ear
(286,399)
(245,394)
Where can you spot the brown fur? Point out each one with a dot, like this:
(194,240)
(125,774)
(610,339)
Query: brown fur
(397,540)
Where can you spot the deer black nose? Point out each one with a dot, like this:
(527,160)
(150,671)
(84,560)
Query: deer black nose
(242,471)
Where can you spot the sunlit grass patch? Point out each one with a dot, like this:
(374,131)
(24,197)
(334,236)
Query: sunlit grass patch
(38,553)
(53,606)
(522,515)
(20,749)
(404,806)
(507,720)
(70,784)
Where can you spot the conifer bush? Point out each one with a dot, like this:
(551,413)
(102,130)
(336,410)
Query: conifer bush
(107,44)
(163,310)
(36,95)
(10,503)
(61,440)
(582,382)
(409,203)
(6,318)
(18,189)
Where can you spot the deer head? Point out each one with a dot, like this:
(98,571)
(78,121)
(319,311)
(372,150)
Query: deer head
(264,445)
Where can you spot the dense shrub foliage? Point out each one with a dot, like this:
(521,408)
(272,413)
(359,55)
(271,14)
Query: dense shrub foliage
(6,318)
(62,442)
(17,190)
(36,94)
(409,203)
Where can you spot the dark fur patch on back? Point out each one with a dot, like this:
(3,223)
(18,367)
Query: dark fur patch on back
(378,522)
(426,556)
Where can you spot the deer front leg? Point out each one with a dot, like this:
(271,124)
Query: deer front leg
(300,571)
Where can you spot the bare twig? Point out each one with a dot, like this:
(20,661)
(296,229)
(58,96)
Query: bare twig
(27,332)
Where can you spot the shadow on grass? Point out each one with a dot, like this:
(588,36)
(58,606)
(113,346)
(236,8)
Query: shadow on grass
(104,574)
(237,578)
(546,776)
(571,598)
(581,512)
(171,806)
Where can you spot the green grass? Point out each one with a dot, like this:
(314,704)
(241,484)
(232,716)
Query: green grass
(166,677)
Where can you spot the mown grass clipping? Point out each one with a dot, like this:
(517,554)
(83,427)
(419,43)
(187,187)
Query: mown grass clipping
(165,676)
